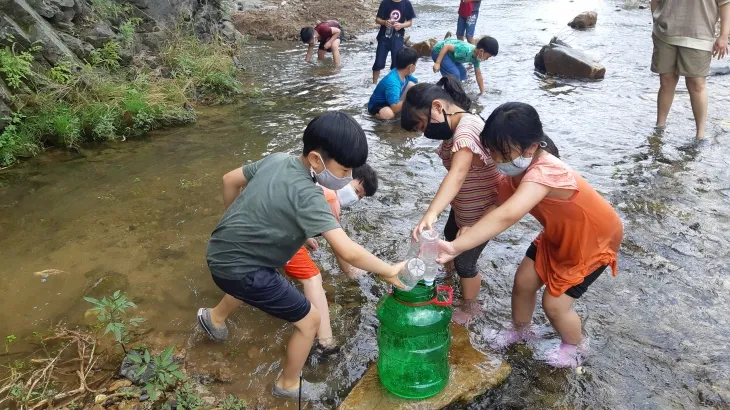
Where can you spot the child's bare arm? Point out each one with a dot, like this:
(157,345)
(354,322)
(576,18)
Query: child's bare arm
(233,184)
(357,256)
(310,50)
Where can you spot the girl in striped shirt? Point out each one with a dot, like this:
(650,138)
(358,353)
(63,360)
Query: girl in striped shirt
(470,186)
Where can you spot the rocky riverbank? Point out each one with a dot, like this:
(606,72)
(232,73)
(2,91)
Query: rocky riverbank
(85,70)
(283,19)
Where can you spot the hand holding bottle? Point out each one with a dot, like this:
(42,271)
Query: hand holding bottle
(425,223)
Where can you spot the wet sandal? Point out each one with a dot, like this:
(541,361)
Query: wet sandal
(215,333)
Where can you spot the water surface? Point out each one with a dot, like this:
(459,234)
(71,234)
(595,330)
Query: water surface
(137,215)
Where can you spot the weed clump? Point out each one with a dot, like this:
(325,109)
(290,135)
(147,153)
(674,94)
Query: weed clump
(103,100)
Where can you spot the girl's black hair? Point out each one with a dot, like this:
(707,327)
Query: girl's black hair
(420,96)
(515,124)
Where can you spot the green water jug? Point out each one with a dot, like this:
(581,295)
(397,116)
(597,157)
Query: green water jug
(414,340)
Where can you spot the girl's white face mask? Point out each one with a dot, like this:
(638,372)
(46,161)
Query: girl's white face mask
(514,167)
(347,196)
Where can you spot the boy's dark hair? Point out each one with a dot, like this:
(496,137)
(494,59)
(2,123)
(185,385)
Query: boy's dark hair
(369,178)
(420,96)
(307,34)
(336,135)
(489,44)
(405,57)
(518,125)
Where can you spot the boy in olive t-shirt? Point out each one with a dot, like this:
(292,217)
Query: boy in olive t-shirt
(272,207)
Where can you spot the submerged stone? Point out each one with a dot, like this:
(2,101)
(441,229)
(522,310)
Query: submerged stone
(472,374)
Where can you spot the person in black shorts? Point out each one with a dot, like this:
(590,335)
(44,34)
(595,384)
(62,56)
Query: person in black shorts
(272,207)
(329,34)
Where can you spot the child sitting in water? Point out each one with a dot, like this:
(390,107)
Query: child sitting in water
(449,57)
(329,34)
(440,111)
(301,267)
(387,99)
(581,231)
(272,207)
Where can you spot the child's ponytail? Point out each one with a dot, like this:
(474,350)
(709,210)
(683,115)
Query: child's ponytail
(548,145)
(453,86)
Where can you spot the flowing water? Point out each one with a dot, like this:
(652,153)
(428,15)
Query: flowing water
(137,215)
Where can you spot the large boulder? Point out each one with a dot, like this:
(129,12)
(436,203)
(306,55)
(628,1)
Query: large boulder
(585,19)
(424,47)
(37,29)
(472,374)
(559,58)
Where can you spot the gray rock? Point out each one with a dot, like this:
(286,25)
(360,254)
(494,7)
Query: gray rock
(81,48)
(560,59)
(129,370)
(38,29)
(229,32)
(9,28)
(585,19)
(720,70)
(99,35)
(4,112)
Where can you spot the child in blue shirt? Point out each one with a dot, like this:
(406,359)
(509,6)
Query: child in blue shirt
(387,99)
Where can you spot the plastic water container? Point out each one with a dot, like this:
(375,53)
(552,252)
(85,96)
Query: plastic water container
(411,273)
(414,340)
(429,250)
(389,31)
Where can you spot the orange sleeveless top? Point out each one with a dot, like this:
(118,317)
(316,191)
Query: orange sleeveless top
(580,234)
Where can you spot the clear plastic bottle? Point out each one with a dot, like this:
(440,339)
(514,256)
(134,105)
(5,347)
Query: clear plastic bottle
(429,241)
(412,273)
(389,30)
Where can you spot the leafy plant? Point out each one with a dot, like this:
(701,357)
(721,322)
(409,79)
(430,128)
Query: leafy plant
(166,372)
(233,403)
(61,74)
(16,67)
(109,9)
(188,399)
(112,312)
(107,56)
(127,29)
(9,339)
(66,125)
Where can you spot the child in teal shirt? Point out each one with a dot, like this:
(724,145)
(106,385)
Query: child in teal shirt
(449,57)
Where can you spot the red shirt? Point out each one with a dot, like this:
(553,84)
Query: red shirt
(324,30)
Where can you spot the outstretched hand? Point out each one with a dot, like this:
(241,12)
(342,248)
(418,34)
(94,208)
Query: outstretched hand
(446,252)
(392,277)
(426,223)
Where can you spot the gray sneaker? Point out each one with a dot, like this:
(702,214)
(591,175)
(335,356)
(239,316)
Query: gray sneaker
(310,391)
(215,333)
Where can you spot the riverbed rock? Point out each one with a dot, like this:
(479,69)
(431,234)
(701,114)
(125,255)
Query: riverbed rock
(585,19)
(118,384)
(472,374)
(423,48)
(559,58)
(99,35)
(720,70)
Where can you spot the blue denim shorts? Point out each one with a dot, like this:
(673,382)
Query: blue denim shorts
(468,24)
(450,67)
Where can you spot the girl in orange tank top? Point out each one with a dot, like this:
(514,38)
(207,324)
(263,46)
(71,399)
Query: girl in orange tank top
(581,232)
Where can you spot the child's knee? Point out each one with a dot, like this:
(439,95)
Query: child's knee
(311,322)
(553,306)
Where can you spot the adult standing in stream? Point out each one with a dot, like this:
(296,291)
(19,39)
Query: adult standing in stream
(684,44)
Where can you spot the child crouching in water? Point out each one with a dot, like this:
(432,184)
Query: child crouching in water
(581,231)
(470,186)
(302,268)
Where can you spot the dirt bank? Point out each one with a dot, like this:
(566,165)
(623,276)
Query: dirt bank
(282,20)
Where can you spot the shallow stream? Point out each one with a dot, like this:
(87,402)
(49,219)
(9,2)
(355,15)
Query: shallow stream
(137,215)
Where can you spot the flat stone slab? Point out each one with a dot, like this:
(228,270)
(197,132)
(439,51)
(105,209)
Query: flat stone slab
(472,374)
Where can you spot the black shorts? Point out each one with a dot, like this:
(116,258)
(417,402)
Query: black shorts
(578,290)
(267,290)
(466,263)
(377,107)
(329,50)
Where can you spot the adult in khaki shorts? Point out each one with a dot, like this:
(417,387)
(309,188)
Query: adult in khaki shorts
(684,43)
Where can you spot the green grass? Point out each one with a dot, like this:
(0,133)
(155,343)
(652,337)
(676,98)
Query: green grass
(104,101)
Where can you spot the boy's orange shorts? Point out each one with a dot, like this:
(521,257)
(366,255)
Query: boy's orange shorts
(301,265)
